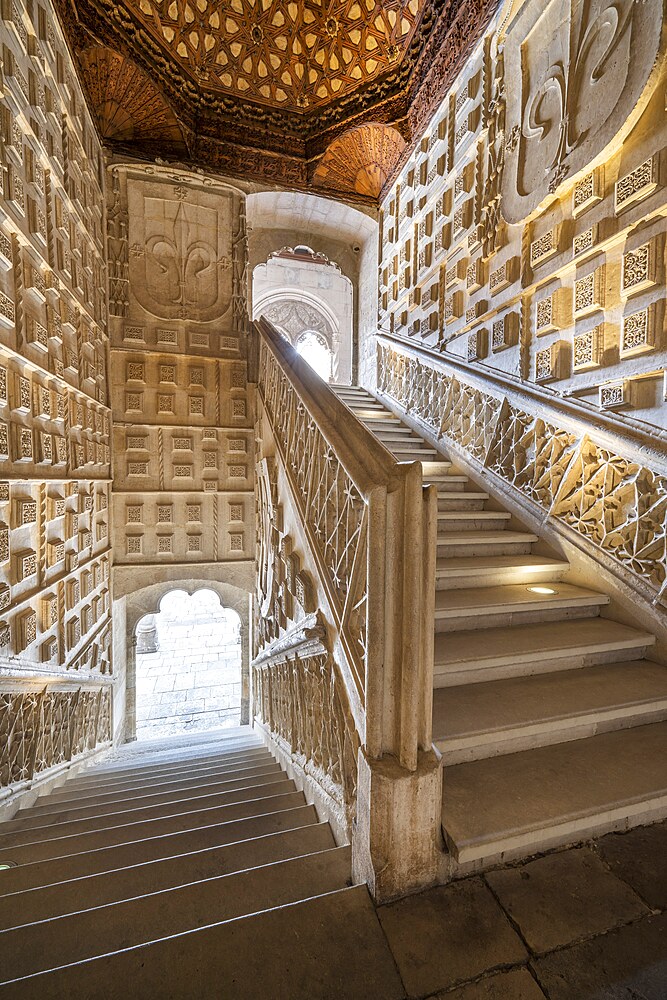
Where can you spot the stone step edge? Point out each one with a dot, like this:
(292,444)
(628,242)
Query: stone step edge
(578,827)
(338,849)
(358,889)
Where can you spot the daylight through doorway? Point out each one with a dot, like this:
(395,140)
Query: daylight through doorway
(188,666)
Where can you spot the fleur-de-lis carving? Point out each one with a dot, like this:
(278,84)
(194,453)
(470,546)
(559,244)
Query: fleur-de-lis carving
(557,111)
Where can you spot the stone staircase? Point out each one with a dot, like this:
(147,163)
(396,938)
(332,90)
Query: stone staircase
(160,871)
(549,716)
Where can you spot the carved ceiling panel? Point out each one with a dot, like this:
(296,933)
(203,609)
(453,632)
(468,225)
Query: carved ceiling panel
(361,161)
(126,103)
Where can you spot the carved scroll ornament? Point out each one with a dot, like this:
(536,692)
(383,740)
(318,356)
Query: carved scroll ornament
(581,68)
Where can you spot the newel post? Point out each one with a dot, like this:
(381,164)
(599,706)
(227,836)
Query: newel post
(396,842)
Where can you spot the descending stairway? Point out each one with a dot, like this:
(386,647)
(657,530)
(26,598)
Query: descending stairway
(549,717)
(159,872)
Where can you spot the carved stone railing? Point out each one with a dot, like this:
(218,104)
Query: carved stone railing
(369,522)
(600,480)
(41,729)
(299,695)
(370,528)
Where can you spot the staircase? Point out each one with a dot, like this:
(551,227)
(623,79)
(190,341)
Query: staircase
(549,716)
(186,867)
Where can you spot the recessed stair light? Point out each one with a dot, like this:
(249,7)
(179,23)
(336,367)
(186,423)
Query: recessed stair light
(5,865)
(542,590)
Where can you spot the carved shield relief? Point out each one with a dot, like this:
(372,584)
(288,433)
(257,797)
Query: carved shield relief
(576,71)
(180,251)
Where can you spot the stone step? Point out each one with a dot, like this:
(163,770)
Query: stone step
(138,811)
(64,940)
(474,721)
(328,946)
(489,571)
(446,483)
(76,789)
(519,804)
(468,521)
(232,759)
(486,607)
(397,432)
(411,454)
(140,829)
(477,655)
(43,902)
(139,752)
(494,543)
(78,808)
(31,873)
(460,501)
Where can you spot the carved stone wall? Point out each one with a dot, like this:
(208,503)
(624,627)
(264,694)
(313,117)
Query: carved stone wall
(182,406)
(54,419)
(526,234)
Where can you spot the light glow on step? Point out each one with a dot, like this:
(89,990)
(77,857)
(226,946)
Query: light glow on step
(542,590)
(5,865)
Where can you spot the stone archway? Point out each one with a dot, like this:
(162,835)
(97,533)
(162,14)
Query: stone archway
(301,292)
(133,607)
(188,665)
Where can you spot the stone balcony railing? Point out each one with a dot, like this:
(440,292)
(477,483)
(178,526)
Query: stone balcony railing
(596,481)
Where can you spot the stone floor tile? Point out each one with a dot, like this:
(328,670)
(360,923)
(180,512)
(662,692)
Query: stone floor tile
(564,897)
(627,964)
(449,935)
(518,984)
(639,857)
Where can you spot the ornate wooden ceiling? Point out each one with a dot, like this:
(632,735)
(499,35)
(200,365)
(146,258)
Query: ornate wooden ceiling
(299,93)
(292,55)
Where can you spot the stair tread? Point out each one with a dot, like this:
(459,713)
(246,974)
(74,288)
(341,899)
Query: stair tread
(338,938)
(137,830)
(97,805)
(525,800)
(126,923)
(471,515)
(456,603)
(509,643)
(26,905)
(129,812)
(470,537)
(41,871)
(476,565)
(494,707)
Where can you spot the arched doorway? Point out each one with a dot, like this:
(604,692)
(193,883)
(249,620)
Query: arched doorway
(188,665)
(310,301)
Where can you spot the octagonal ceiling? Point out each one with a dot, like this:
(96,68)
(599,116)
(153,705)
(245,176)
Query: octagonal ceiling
(292,55)
(308,94)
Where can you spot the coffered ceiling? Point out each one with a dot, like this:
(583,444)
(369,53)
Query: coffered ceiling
(322,94)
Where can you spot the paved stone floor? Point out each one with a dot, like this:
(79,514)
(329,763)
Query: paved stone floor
(193,682)
(586,923)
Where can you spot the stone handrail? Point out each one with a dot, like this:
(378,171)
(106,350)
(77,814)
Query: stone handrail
(601,481)
(370,525)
